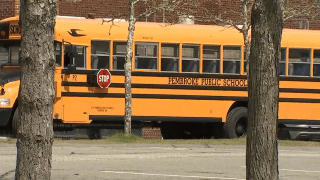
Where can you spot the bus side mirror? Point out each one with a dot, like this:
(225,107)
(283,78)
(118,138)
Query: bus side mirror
(72,67)
(73,53)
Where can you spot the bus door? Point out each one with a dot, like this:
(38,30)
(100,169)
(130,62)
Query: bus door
(73,83)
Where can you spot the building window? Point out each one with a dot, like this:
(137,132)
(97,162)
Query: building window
(190,58)
(299,62)
(170,57)
(146,56)
(231,59)
(211,59)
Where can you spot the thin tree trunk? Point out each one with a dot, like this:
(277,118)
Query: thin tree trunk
(246,47)
(262,154)
(127,70)
(245,29)
(36,96)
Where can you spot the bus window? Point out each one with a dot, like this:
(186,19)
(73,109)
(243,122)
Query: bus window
(170,57)
(299,62)
(211,59)
(282,62)
(4,55)
(146,56)
(57,51)
(316,63)
(119,55)
(10,52)
(79,58)
(190,58)
(100,54)
(14,54)
(231,59)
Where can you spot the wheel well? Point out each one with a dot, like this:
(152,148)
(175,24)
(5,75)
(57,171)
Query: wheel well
(238,104)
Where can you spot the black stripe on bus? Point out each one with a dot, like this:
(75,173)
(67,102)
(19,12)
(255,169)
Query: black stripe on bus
(160,86)
(299,100)
(176,74)
(307,79)
(299,121)
(99,118)
(162,74)
(164,86)
(154,96)
(191,97)
(296,90)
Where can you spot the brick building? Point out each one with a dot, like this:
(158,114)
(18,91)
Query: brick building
(110,8)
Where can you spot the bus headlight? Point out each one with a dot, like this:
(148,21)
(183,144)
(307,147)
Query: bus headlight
(5,102)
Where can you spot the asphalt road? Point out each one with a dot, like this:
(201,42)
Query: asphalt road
(168,162)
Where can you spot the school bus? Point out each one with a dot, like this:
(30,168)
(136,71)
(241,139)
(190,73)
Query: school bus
(187,79)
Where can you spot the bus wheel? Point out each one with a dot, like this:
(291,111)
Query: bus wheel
(236,123)
(15,122)
(171,131)
(283,134)
(94,133)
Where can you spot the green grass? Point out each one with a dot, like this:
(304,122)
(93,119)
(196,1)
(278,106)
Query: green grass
(8,140)
(132,139)
(122,138)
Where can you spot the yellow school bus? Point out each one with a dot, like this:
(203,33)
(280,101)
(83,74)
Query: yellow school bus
(187,79)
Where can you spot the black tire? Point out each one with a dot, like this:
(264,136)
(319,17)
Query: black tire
(94,133)
(236,123)
(15,122)
(283,134)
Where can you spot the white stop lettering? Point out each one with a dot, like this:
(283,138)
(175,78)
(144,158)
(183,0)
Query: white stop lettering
(104,78)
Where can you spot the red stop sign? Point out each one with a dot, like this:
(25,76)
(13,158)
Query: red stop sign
(104,78)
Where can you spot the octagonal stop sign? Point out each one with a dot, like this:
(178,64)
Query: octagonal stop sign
(104,78)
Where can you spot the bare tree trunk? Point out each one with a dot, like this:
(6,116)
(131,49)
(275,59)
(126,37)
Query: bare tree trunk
(244,30)
(36,96)
(246,47)
(127,70)
(262,154)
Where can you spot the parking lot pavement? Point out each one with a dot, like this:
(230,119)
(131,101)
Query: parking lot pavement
(151,161)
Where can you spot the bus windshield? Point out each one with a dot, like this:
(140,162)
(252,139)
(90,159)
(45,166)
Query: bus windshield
(9,52)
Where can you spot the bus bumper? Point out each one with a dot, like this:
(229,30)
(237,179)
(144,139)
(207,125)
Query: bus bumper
(307,132)
(5,114)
